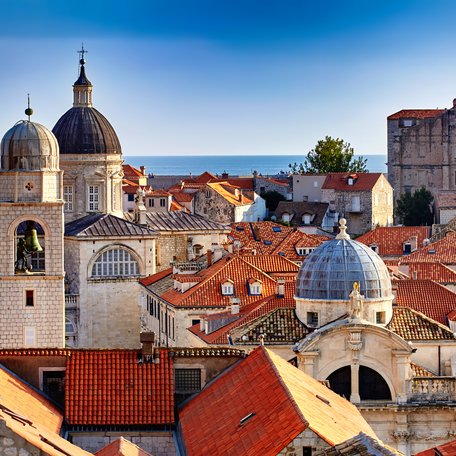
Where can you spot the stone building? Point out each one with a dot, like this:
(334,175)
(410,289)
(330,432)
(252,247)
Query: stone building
(382,358)
(225,203)
(420,150)
(365,200)
(31,226)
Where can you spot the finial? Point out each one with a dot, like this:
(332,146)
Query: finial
(29,110)
(81,54)
(343,230)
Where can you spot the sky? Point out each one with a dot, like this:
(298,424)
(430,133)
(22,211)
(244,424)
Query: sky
(222,77)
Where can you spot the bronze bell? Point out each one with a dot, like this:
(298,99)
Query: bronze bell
(31,238)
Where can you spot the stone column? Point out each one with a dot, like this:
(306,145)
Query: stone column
(354,396)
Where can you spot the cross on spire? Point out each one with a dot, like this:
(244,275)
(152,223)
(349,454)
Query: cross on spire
(81,54)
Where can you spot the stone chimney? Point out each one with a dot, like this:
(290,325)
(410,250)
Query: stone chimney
(280,288)
(142,168)
(209,257)
(149,353)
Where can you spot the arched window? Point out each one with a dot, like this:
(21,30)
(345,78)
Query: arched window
(115,262)
(29,239)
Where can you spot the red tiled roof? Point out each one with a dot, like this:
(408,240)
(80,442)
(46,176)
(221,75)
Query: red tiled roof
(390,239)
(158,192)
(447,449)
(246,183)
(275,402)
(362,182)
(271,263)
(227,191)
(146,281)
(272,238)
(40,437)
(121,447)
(205,177)
(437,272)
(182,197)
(208,292)
(425,296)
(443,251)
(248,314)
(17,396)
(110,387)
(416,114)
(130,172)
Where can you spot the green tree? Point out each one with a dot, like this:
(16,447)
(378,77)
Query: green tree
(272,199)
(330,156)
(416,209)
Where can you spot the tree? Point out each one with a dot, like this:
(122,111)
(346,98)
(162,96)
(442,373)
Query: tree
(416,209)
(272,199)
(330,156)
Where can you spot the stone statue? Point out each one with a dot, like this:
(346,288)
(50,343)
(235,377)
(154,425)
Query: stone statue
(356,302)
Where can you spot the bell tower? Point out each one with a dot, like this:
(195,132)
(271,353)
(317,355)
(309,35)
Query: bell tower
(31,236)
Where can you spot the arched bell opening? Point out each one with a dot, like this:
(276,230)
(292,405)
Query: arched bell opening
(372,386)
(30,248)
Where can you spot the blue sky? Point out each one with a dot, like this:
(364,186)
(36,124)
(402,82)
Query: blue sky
(230,77)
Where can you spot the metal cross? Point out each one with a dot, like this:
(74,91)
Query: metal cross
(82,52)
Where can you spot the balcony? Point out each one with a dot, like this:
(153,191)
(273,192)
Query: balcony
(71,301)
(432,389)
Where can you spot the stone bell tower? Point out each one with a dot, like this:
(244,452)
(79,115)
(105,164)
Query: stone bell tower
(31,238)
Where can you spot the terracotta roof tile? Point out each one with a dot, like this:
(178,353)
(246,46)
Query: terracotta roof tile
(265,386)
(447,449)
(49,442)
(110,387)
(425,296)
(224,190)
(437,272)
(273,238)
(416,114)
(362,182)
(182,197)
(18,396)
(390,239)
(121,447)
(130,172)
(413,325)
(443,251)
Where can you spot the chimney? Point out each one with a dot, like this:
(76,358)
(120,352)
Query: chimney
(414,242)
(142,168)
(235,305)
(280,288)
(147,340)
(209,257)
(240,195)
(415,275)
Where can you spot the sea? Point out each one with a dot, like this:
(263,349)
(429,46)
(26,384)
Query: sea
(234,165)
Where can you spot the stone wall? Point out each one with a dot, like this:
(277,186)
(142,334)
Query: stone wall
(215,207)
(262,184)
(12,444)
(307,438)
(156,443)
(169,246)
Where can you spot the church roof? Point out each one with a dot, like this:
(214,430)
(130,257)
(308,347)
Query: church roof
(180,221)
(99,225)
(84,130)
(274,402)
(413,325)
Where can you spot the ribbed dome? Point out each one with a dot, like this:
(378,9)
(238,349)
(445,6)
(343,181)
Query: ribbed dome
(84,130)
(29,146)
(331,269)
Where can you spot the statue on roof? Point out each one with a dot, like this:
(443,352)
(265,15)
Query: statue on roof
(356,302)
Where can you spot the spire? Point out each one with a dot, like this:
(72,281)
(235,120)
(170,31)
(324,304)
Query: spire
(343,230)
(29,110)
(82,88)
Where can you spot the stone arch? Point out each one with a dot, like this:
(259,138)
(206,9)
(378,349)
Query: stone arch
(12,237)
(118,246)
(340,382)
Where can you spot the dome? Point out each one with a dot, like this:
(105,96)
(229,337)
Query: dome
(330,270)
(84,130)
(29,146)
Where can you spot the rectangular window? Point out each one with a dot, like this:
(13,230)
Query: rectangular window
(187,380)
(68,194)
(53,383)
(195,322)
(131,197)
(151,202)
(307,451)
(162,202)
(29,298)
(380,318)
(29,336)
(356,204)
(312,318)
(93,199)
